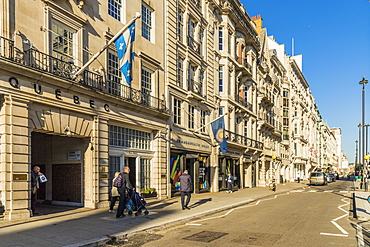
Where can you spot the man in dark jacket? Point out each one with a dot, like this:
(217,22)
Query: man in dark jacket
(35,185)
(122,182)
(185,182)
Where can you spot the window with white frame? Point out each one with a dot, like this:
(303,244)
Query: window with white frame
(146,85)
(113,73)
(229,41)
(246,93)
(177,111)
(114,8)
(203,120)
(201,37)
(220,38)
(145,173)
(191,117)
(146,26)
(180,24)
(114,166)
(180,71)
(62,42)
(220,79)
(129,138)
(191,77)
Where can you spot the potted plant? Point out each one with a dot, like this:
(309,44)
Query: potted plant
(148,192)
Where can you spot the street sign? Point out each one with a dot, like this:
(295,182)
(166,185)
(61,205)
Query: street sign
(368,199)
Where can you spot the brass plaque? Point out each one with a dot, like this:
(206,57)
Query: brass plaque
(20,177)
(103,175)
(104,168)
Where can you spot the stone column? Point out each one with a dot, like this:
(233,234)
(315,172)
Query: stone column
(15,166)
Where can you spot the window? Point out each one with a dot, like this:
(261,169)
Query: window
(114,8)
(285,93)
(146,14)
(145,172)
(62,39)
(246,94)
(146,85)
(220,38)
(114,74)
(202,121)
(129,138)
(220,111)
(221,79)
(229,39)
(114,166)
(180,24)
(245,128)
(180,71)
(285,133)
(191,117)
(177,111)
(201,36)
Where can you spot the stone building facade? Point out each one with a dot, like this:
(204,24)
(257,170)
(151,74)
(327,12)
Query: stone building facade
(195,61)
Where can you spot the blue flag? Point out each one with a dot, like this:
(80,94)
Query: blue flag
(218,129)
(125,55)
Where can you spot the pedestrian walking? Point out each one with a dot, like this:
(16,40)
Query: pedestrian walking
(229,181)
(298,177)
(122,182)
(114,193)
(35,186)
(185,188)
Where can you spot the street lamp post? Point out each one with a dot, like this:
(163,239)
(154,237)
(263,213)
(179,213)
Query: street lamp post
(363,82)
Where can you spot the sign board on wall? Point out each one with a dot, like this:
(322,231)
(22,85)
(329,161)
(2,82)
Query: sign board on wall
(190,143)
(74,155)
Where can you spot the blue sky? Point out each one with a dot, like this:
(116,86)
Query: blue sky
(334,38)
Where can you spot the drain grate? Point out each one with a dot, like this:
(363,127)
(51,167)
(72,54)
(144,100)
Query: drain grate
(206,236)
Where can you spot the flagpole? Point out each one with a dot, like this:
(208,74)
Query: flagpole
(138,15)
(210,122)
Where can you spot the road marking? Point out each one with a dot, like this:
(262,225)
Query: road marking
(296,191)
(345,234)
(343,191)
(189,224)
(312,191)
(332,234)
(328,191)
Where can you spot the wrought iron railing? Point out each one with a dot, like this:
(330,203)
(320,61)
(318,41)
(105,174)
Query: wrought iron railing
(239,139)
(244,102)
(45,63)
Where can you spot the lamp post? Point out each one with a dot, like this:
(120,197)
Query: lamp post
(366,158)
(356,161)
(363,82)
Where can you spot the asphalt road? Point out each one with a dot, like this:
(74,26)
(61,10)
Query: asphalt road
(317,216)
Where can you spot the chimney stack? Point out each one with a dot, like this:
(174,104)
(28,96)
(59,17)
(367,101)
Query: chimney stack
(258,21)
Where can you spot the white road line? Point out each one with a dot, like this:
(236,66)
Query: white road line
(312,191)
(189,224)
(360,237)
(296,191)
(332,234)
(343,191)
(328,191)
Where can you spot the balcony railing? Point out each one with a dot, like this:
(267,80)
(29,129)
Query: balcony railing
(45,63)
(239,139)
(244,102)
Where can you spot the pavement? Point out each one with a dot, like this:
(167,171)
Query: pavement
(69,226)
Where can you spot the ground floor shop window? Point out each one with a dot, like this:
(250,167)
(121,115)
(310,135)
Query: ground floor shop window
(145,174)
(204,174)
(114,166)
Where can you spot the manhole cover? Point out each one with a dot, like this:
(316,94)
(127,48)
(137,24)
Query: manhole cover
(206,236)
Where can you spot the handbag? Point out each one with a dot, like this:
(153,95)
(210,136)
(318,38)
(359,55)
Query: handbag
(43,178)
(114,191)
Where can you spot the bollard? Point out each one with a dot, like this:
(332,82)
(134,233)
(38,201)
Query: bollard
(354,211)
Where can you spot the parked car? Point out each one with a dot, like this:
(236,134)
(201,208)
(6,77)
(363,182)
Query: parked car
(333,177)
(318,178)
(329,178)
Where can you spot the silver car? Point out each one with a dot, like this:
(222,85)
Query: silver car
(318,178)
